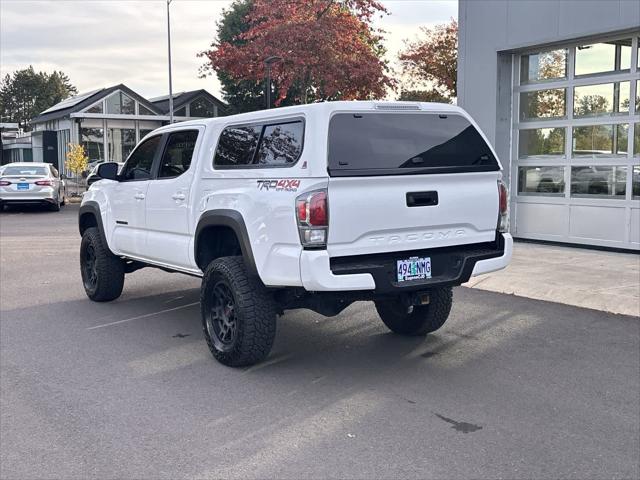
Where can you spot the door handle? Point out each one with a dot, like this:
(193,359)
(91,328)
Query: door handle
(178,196)
(422,199)
(139,196)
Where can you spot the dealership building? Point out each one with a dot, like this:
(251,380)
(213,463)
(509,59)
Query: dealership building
(110,121)
(556,88)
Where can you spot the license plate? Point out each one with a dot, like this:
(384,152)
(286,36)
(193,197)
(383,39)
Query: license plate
(23,186)
(414,268)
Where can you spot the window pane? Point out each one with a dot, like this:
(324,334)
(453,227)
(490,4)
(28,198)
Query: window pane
(128,105)
(237,145)
(280,144)
(144,133)
(540,142)
(602,99)
(92,140)
(544,181)
(600,140)
(637,96)
(603,57)
(96,108)
(601,181)
(635,189)
(181,112)
(543,104)
(636,139)
(621,139)
(138,166)
(142,110)
(177,154)
(543,66)
(120,104)
(201,107)
(121,142)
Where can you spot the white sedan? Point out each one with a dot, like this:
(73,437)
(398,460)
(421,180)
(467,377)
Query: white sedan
(30,182)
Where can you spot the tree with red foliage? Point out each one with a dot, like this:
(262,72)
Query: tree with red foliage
(329,49)
(433,59)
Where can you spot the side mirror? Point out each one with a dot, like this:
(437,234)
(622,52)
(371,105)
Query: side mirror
(108,171)
(63,176)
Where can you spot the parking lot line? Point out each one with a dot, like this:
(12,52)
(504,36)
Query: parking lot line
(143,316)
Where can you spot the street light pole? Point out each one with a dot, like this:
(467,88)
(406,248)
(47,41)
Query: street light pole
(169,51)
(267,88)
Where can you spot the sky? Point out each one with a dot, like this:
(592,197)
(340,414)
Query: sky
(100,43)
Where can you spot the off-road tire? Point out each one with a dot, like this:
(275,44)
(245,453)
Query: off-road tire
(108,281)
(420,320)
(253,311)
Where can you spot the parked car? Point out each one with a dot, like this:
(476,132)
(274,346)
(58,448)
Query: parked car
(30,182)
(314,206)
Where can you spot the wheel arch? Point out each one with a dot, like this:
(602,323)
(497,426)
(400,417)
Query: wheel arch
(89,216)
(224,220)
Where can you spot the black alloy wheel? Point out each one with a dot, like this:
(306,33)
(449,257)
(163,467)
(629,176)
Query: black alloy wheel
(221,320)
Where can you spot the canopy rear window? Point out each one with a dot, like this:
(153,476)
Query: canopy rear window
(405,143)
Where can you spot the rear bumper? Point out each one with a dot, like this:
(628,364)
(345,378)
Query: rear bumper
(45,195)
(450,266)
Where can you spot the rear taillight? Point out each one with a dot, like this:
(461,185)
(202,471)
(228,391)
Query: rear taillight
(312,215)
(4,183)
(44,183)
(503,212)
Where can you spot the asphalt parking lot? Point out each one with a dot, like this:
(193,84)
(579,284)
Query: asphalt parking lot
(509,388)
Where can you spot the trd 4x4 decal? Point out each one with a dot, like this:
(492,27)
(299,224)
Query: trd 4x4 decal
(280,185)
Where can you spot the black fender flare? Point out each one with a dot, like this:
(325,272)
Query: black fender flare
(92,208)
(234,220)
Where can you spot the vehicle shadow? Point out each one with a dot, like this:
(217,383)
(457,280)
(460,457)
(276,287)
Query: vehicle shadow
(25,208)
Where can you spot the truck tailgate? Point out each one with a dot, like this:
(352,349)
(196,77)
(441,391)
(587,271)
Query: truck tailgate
(408,212)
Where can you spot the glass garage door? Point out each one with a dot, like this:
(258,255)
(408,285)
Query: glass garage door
(576,150)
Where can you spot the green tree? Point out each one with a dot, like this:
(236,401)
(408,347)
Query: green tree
(25,93)
(240,95)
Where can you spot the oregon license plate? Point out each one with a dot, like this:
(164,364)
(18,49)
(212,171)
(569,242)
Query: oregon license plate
(23,186)
(414,268)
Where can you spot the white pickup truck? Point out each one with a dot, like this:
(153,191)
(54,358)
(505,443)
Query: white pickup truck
(314,206)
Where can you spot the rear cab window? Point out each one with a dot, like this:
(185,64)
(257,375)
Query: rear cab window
(272,144)
(375,143)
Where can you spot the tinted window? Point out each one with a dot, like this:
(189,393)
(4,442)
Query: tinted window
(138,166)
(281,144)
(396,143)
(177,154)
(237,145)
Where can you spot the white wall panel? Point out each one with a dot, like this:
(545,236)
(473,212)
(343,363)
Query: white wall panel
(597,223)
(634,234)
(542,219)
